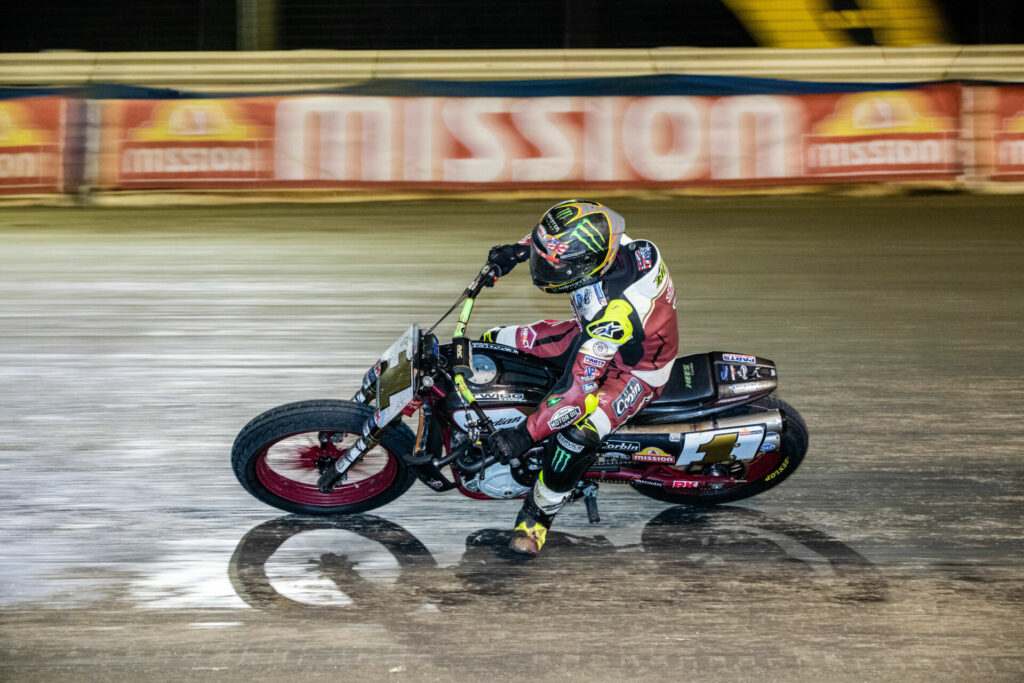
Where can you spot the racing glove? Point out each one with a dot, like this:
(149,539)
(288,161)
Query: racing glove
(505,257)
(509,444)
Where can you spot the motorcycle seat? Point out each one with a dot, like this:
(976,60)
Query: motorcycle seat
(691,381)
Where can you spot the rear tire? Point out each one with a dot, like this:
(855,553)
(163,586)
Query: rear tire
(790,455)
(274,458)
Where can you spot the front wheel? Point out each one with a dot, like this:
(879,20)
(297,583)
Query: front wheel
(275,458)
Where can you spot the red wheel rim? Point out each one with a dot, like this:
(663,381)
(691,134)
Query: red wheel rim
(287,468)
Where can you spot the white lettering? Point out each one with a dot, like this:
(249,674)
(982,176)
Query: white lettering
(1011,152)
(885,152)
(487,153)
(750,134)
(184,160)
(314,141)
(599,139)
(642,137)
(557,154)
(21,165)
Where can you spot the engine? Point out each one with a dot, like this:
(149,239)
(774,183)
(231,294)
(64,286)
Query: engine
(497,482)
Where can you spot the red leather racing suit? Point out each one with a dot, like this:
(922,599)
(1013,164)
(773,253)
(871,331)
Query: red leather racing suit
(618,351)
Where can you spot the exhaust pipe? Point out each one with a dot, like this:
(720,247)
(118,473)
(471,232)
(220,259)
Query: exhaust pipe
(739,437)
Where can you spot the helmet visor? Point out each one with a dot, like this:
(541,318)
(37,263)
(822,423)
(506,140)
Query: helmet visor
(553,270)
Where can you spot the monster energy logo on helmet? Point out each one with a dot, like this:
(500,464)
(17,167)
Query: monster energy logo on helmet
(587,236)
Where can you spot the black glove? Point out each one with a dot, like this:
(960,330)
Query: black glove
(505,256)
(509,444)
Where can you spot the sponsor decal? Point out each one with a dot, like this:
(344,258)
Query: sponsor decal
(556,246)
(653,454)
(778,470)
(721,445)
(646,482)
(435,484)
(768,447)
(737,358)
(628,397)
(749,387)
(501,417)
(688,375)
(596,362)
(643,258)
(723,373)
(590,371)
(589,387)
(494,347)
(685,484)
(607,330)
(599,293)
(555,400)
(568,444)
(560,460)
(742,370)
(527,337)
(601,348)
(675,437)
(564,416)
(622,446)
(882,132)
(662,273)
(498,396)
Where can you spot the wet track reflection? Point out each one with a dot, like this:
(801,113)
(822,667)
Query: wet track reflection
(368,568)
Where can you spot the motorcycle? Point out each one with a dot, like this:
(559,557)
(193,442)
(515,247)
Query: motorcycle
(715,434)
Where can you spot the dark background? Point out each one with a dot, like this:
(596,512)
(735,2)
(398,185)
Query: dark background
(448,24)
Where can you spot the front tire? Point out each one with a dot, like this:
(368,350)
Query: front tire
(275,458)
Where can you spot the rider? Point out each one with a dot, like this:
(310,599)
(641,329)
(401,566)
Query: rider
(617,351)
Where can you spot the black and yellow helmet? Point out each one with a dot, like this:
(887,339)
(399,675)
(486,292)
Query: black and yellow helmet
(574,245)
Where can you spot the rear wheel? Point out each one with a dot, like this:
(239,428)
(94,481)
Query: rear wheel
(767,470)
(275,458)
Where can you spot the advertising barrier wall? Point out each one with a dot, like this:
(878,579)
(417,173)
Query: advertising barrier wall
(496,142)
(466,138)
(33,145)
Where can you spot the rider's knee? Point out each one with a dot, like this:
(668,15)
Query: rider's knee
(568,455)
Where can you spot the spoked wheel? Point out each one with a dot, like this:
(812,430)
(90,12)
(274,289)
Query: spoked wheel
(276,458)
(727,482)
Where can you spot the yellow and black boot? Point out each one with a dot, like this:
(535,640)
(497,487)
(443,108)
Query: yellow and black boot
(535,518)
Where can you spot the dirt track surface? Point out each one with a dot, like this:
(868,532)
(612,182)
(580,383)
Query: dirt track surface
(135,343)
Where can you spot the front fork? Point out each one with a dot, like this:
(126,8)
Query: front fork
(333,472)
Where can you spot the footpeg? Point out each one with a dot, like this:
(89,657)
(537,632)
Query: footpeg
(590,500)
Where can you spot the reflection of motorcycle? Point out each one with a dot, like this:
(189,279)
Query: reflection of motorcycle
(362,564)
(714,435)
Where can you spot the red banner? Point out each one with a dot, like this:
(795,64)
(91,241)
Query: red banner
(500,142)
(209,143)
(1008,134)
(32,149)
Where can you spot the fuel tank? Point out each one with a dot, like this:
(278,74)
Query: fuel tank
(507,383)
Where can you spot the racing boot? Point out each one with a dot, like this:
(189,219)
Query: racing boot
(535,518)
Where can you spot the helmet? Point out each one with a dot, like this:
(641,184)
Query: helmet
(574,245)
